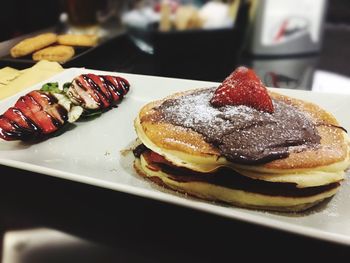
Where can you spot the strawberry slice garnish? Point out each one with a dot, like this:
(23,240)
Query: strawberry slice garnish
(16,116)
(243,87)
(34,115)
(157,158)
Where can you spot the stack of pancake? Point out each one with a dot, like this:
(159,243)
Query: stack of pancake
(289,160)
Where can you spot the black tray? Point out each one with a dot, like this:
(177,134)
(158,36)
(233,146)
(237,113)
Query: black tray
(78,60)
(27,61)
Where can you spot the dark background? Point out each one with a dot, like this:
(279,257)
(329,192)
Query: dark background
(21,17)
(127,228)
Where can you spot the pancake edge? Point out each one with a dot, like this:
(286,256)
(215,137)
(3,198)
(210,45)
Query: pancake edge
(210,192)
(302,177)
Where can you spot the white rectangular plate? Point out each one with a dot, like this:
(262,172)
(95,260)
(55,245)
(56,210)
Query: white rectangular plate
(91,153)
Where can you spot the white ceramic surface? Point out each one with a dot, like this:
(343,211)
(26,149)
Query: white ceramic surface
(90,153)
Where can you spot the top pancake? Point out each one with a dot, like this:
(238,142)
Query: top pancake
(184,146)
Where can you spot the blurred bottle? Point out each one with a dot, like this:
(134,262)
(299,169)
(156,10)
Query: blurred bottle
(286,27)
(82,13)
(286,72)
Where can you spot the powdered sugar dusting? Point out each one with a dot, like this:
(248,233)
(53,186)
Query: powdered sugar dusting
(241,133)
(195,109)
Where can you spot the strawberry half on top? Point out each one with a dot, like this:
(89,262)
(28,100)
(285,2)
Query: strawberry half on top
(243,87)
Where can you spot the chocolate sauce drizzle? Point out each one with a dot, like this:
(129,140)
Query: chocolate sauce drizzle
(242,134)
(106,91)
(24,125)
(38,113)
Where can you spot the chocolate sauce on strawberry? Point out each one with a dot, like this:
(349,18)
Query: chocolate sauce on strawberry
(97,91)
(102,98)
(35,115)
(49,97)
(111,87)
(50,101)
(63,113)
(39,114)
(242,134)
(31,124)
(94,95)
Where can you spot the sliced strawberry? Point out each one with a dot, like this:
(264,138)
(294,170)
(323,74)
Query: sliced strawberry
(5,128)
(46,122)
(10,130)
(28,108)
(17,116)
(110,83)
(103,89)
(121,84)
(80,95)
(88,90)
(243,87)
(5,123)
(94,91)
(28,102)
(39,98)
(97,91)
(41,111)
(157,158)
(124,83)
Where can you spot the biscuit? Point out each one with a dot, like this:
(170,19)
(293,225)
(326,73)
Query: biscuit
(57,53)
(30,45)
(77,40)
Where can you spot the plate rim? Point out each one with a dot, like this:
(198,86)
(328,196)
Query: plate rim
(230,212)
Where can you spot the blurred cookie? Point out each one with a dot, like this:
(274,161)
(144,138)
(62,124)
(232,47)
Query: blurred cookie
(165,14)
(58,53)
(30,45)
(187,17)
(77,40)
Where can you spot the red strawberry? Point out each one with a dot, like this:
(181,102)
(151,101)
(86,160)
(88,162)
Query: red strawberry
(157,158)
(15,115)
(243,87)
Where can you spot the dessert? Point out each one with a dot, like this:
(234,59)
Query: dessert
(41,113)
(30,45)
(93,92)
(227,144)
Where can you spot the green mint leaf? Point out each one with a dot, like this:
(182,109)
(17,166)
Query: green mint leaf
(51,87)
(92,113)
